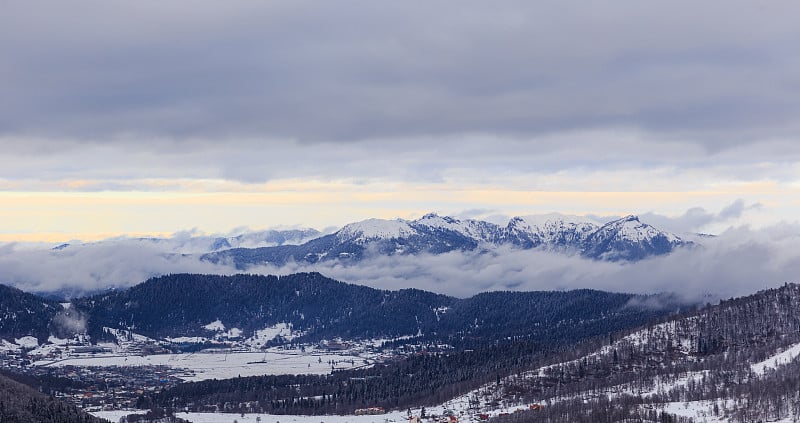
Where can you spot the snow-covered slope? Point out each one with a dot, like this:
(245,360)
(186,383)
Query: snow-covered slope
(623,239)
(732,362)
(552,231)
(629,239)
(374,229)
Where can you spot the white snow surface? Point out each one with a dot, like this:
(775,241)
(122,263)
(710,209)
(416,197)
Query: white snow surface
(188,339)
(27,342)
(124,339)
(216,325)
(376,229)
(224,364)
(233,333)
(542,220)
(262,336)
(777,360)
(631,229)
(114,416)
(459,406)
(701,411)
(7,346)
(550,227)
(469,228)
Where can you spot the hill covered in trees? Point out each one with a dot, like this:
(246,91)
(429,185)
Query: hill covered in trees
(322,308)
(734,361)
(20,403)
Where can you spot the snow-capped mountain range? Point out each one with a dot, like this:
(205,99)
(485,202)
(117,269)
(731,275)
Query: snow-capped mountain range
(625,239)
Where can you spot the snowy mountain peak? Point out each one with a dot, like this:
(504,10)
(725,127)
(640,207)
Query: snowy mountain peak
(552,231)
(625,239)
(632,229)
(433,220)
(630,218)
(518,224)
(630,239)
(372,229)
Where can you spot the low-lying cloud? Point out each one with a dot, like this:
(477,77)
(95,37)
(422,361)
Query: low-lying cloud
(68,323)
(737,262)
(75,270)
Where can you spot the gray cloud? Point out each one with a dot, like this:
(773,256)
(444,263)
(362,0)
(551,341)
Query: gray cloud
(736,209)
(68,323)
(698,218)
(205,90)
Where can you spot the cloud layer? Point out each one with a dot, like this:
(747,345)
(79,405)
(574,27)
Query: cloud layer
(253,91)
(360,70)
(315,111)
(737,262)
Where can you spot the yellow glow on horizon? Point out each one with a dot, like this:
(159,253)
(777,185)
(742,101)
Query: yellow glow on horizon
(43,216)
(60,237)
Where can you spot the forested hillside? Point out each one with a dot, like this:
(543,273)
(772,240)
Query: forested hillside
(20,403)
(423,379)
(735,360)
(24,314)
(181,305)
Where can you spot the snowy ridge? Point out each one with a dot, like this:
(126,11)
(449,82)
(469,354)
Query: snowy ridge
(554,230)
(550,219)
(629,228)
(626,239)
(372,229)
(474,229)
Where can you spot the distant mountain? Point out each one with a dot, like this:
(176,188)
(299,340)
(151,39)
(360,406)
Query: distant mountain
(624,239)
(629,239)
(322,308)
(200,244)
(552,232)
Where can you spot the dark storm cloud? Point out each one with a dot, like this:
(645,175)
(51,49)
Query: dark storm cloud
(358,70)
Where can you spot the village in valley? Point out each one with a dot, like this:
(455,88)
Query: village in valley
(108,378)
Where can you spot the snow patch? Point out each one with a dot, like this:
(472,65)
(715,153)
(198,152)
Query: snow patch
(216,326)
(27,342)
(7,346)
(777,360)
(233,333)
(262,336)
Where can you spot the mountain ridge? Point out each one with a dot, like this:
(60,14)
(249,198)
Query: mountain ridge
(625,239)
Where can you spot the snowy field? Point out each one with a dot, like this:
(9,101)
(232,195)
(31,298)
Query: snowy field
(203,366)
(114,416)
(462,406)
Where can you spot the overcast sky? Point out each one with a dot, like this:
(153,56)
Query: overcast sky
(153,117)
